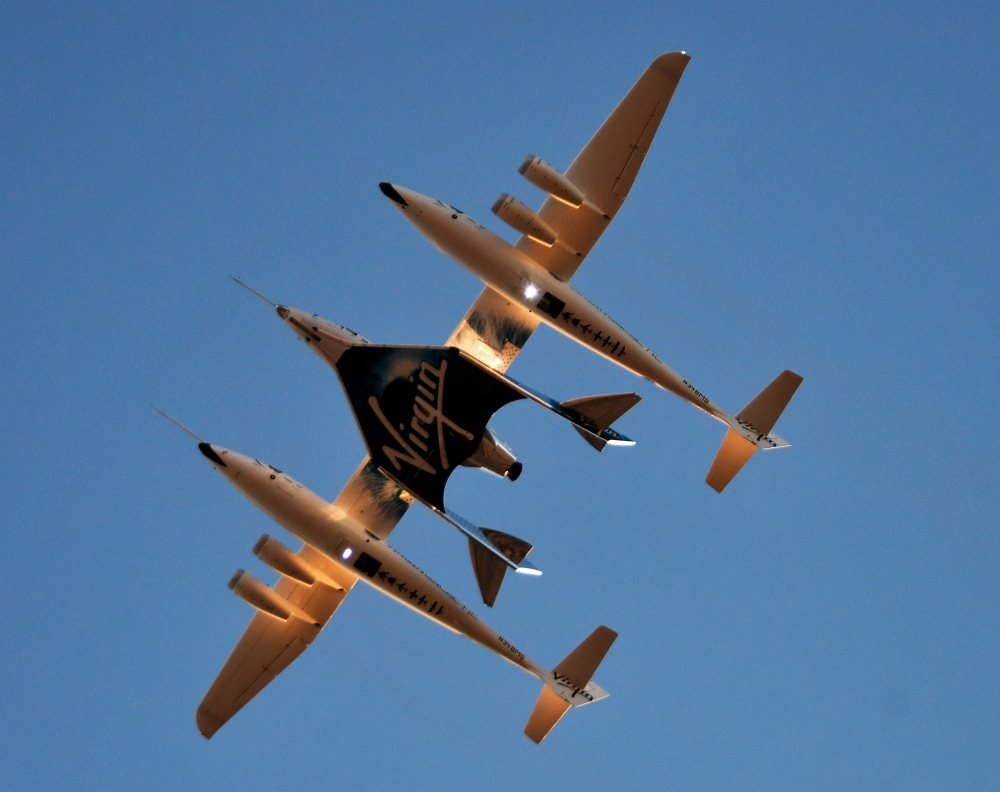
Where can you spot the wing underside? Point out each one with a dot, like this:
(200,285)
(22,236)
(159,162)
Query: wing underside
(269,645)
(494,330)
(606,168)
(373,500)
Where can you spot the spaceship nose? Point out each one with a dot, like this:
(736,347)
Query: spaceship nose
(390,192)
(209,452)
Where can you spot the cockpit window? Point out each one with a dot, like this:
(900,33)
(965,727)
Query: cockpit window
(458,210)
(274,468)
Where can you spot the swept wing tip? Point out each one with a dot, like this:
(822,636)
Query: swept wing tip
(208,725)
(672,63)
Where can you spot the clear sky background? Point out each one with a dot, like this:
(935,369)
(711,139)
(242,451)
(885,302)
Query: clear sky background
(821,196)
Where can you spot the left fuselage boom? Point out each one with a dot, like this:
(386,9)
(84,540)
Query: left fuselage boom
(326,527)
(522,280)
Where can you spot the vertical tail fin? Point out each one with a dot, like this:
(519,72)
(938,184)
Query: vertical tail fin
(752,429)
(733,455)
(571,684)
(548,711)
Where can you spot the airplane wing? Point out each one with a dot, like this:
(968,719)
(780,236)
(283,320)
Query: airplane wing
(373,500)
(606,168)
(495,329)
(269,645)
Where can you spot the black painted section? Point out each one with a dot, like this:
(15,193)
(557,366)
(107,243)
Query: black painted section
(409,401)
(390,192)
(367,565)
(551,305)
(209,452)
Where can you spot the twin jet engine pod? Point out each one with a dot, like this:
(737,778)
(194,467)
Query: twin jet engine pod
(495,455)
(265,599)
(282,559)
(548,179)
(521,218)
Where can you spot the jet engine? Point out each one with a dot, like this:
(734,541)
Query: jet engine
(496,456)
(521,218)
(265,599)
(546,178)
(282,559)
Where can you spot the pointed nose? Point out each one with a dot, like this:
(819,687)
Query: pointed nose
(211,454)
(390,192)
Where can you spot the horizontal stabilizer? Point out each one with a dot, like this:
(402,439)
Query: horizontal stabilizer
(579,665)
(751,430)
(571,684)
(596,441)
(763,412)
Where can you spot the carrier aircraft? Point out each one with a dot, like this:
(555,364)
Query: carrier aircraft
(314,582)
(528,283)
(416,436)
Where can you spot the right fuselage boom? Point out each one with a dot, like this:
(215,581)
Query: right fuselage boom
(515,275)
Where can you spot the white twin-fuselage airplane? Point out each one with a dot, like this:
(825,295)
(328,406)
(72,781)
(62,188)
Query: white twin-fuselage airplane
(337,553)
(526,284)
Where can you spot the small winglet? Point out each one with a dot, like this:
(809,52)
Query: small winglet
(489,567)
(592,417)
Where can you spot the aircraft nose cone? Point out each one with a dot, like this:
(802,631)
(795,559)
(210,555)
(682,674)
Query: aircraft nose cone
(390,192)
(282,311)
(209,452)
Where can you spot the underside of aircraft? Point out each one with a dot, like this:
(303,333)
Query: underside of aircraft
(415,440)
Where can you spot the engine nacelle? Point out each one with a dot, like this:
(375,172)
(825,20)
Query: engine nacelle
(256,593)
(546,178)
(495,455)
(521,218)
(282,559)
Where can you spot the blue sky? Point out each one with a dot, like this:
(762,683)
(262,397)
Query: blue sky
(821,196)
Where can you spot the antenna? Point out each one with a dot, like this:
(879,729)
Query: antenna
(254,291)
(178,424)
